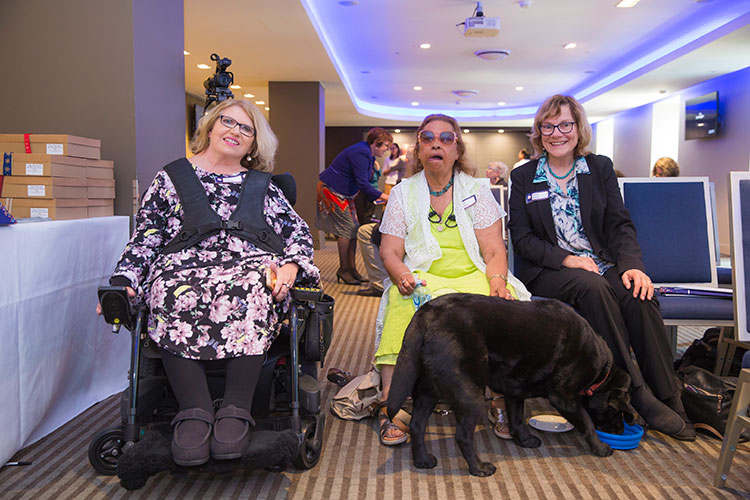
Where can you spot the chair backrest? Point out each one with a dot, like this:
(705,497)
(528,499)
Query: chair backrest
(739,202)
(672,217)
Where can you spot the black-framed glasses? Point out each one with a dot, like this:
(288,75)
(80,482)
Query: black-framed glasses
(450,221)
(447,138)
(230,122)
(549,129)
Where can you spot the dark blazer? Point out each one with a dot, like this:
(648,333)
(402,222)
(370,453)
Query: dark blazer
(350,172)
(605,219)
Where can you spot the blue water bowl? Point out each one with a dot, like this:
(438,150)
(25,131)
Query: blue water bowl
(628,440)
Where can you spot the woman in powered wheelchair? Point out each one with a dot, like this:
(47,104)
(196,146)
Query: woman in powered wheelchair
(216,250)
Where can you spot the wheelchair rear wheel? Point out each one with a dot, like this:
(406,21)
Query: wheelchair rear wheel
(312,443)
(106,449)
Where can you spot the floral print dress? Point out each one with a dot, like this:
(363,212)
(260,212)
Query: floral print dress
(210,301)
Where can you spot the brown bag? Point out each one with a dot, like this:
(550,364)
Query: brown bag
(359,398)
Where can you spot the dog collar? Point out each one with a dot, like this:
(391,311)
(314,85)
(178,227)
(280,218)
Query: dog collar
(593,387)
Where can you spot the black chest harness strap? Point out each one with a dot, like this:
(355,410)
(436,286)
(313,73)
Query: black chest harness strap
(201,221)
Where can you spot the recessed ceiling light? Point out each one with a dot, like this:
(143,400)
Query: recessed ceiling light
(249,96)
(625,4)
(417,87)
(235,86)
(571,45)
(590,71)
(398,130)
(365,71)
(203,66)
(492,55)
(466,131)
(185,52)
(260,103)
(501,103)
(348,3)
(414,103)
(425,46)
(500,131)
(268,109)
(519,88)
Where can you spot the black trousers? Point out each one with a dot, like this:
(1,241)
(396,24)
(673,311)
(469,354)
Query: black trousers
(620,319)
(188,380)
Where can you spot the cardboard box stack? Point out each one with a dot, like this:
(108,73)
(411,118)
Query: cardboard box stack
(62,177)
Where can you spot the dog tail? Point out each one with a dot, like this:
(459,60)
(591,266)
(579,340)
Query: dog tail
(407,367)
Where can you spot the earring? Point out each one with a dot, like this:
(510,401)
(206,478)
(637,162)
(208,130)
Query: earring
(249,157)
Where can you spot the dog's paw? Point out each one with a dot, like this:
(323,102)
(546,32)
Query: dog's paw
(529,441)
(603,450)
(427,463)
(485,469)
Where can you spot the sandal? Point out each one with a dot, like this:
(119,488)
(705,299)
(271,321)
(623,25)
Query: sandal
(391,433)
(339,377)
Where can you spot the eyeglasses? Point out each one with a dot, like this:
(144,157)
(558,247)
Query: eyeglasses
(447,138)
(549,129)
(230,123)
(450,221)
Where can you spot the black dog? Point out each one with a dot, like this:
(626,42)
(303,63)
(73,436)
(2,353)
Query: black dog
(459,343)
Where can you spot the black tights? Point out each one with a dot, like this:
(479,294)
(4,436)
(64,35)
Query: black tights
(188,380)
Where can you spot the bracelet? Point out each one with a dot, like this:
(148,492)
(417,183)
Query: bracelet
(505,279)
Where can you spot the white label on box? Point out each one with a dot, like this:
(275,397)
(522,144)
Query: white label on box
(34,169)
(39,212)
(36,190)
(54,149)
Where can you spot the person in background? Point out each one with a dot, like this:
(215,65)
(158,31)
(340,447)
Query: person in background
(665,167)
(393,168)
(574,241)
(365,208)
(348,174)
(368,236)
(209,296)
(497,173)
(442,229)
(523,157)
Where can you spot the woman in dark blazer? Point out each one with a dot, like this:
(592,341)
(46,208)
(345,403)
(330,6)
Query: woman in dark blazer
(574,241)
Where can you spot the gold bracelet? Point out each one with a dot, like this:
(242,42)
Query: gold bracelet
(505,279)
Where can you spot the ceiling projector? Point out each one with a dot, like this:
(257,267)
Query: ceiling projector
(481,26)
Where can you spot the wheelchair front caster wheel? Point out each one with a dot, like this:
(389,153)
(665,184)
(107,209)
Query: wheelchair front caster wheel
(105,450)
(312,443)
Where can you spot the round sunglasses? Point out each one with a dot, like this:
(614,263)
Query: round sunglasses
(427,136)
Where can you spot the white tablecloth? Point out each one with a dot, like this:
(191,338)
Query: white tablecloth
(57,357)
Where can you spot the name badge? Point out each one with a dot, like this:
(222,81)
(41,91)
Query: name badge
(231,179)
(539,195)
(467,202)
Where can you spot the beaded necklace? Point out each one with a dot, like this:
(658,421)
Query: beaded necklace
(560,176)
(442,191)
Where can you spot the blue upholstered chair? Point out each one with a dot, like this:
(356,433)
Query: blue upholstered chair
(675,229)
(739,211)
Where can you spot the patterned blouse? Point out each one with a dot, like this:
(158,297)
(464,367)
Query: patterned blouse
(566,212)
(210,301)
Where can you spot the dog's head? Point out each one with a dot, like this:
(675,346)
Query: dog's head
(610,403)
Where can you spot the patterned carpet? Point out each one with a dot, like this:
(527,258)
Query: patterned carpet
(354,465)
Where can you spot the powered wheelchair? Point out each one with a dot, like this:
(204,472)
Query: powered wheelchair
(286,405)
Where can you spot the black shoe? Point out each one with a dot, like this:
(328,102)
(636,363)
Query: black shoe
(370,292)
(688,432)
(190,443)
(231,435)
(657,415)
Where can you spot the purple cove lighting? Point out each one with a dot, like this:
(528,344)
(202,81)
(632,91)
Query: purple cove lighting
(685,33)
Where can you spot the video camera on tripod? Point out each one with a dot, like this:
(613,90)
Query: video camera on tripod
(217,86)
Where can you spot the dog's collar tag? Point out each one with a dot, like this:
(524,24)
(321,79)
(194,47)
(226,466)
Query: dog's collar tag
(469,201)
(536,196)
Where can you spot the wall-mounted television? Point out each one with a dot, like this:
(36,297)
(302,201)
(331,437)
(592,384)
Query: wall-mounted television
(702,116)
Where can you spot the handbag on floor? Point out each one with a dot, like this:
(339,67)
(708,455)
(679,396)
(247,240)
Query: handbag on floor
(707,399)
(359,398)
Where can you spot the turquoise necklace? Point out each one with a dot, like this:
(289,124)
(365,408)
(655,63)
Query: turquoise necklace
(446,188)
(560,176)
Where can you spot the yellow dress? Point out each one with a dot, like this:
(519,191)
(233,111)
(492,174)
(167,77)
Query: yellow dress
(453,272)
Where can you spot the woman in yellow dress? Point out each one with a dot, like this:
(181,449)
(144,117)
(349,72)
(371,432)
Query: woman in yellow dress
(441,230)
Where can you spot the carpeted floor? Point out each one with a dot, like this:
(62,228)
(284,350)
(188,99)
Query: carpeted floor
(355,465)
